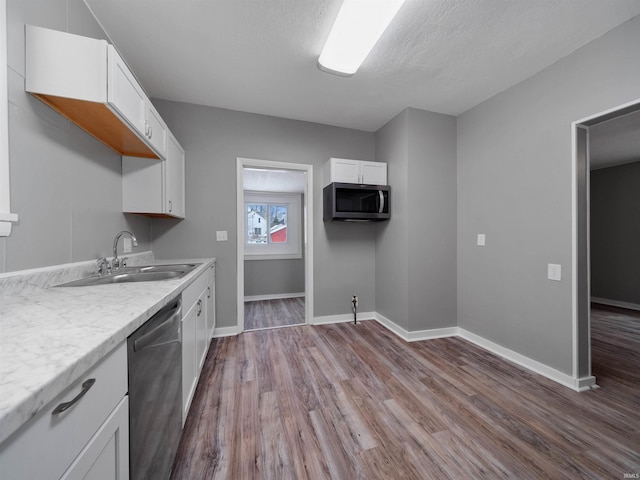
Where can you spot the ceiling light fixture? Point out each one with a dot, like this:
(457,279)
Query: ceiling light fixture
(357,28)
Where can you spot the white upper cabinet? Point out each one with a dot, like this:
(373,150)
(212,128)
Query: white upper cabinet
(155,129)
(88,82)
(174,179)
(155,188)
(124,93)
(344,170)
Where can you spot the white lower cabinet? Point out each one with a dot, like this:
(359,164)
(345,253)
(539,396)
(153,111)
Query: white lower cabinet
(195,336)
(90,439)
(106,456)
(189,376)
(211,302)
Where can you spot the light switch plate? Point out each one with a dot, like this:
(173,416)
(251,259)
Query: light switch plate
(482,240)
(554,272)
(126,245)
(221,235)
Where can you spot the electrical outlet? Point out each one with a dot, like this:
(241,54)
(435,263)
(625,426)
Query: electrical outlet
(481,240)
(354,300)
(221,235)
(126,245)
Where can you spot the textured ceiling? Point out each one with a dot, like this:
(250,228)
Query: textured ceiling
(261,56)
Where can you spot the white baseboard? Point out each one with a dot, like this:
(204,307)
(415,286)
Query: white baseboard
(616,303)
(275,296)
(418,335)
(226,331)
(344,318)
(523,361)
(577,384)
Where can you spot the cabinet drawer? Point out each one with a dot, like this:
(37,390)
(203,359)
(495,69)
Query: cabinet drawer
(45,446)
(191,294)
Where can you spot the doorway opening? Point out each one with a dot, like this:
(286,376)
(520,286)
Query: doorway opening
(274,246)
(583,164)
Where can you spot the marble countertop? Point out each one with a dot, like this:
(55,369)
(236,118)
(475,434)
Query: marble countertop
(50,336)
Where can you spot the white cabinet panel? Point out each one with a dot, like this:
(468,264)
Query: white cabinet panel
(174,185)
(124,93)
(189,376)
(155,187)
(87,81)
(344,170)
(202,339)
(373,173)
(57,439)
(155,130)
(106,456)
(211,302)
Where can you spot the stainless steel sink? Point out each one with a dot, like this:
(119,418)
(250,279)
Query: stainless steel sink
(143,273)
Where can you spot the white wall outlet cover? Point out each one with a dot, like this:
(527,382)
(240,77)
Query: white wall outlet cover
(554,272)
(126,245)
(221,235)
(482,240)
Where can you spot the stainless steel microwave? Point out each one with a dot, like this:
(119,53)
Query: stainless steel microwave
(353,202)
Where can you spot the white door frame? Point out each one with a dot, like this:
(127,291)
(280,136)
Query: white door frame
(307,234)
(583,380)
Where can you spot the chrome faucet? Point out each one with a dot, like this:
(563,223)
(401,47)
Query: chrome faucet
(116,262)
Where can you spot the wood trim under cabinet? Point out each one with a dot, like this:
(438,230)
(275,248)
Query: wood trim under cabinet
(110,129)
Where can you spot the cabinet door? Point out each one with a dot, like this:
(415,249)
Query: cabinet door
(174,182)
(211,302)
(202,340)
(124,93)
(106,456)
(189,372)
(344,171)
(373,173)
(155,130)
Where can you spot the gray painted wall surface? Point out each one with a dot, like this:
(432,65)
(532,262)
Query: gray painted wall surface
(615,233)
(432,191)
(65,186)
(514,185)
(272,277)
(392,243)
(416,249)
(213,138)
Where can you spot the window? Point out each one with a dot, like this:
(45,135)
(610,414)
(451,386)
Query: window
(273,226)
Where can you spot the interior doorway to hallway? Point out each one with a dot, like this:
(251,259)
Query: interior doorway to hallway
(274,247)
(617,151)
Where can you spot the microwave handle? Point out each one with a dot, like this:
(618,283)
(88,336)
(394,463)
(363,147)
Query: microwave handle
(381,208)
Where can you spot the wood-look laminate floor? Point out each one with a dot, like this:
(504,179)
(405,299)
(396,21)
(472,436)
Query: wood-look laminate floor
(273,313)
(356,402)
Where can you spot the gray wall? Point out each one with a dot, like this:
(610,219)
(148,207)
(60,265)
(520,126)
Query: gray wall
(273,277)
(514,185)
(392,243)
(416,248)
(65,185)
(213,138)
(615,233)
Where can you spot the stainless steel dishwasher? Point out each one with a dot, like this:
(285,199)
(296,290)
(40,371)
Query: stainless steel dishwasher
(155,394)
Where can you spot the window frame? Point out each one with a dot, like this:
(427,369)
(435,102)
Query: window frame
(292,249)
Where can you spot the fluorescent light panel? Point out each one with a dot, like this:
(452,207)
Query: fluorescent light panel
(357,28)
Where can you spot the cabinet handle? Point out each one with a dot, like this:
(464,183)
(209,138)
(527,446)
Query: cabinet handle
(86,385)
(199,307)
(208,292)
(170,206)
(150,132)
